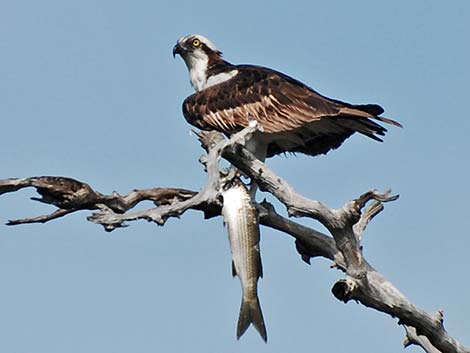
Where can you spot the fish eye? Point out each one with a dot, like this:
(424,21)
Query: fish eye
(196,43)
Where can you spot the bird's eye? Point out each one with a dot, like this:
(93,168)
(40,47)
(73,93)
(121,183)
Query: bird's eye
(196,43)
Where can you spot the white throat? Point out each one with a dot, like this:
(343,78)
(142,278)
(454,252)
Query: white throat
(197,66)
(197,62)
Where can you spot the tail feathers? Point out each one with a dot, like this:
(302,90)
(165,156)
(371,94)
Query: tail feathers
(375,110)
(388,121)
(363,126)
(250,313)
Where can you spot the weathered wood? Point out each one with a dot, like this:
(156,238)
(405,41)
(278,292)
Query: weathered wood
(346,226)
(413,338)
(70,195)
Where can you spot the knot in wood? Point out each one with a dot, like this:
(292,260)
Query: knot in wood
(344,289)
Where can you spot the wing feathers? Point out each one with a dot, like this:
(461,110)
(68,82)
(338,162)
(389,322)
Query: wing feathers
(285,108)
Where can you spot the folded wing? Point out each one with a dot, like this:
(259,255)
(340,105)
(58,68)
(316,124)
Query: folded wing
(293,116)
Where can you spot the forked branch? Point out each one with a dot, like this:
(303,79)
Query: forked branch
(342,246)
(70,195)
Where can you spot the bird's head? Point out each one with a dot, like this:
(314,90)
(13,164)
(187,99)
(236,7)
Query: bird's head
(199,53)
(196,46)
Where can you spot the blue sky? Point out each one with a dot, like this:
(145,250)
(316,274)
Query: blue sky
(90,90)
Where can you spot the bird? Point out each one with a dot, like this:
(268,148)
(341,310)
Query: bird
(292,117)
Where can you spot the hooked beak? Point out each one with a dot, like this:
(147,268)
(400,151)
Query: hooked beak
(177,49)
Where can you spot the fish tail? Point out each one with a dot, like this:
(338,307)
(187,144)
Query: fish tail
(250,313)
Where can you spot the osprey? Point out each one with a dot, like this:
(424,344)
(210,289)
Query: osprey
(293,117)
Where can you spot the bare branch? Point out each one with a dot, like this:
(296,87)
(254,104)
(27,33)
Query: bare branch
(369,213)
(70,195)
(41,219)
(66,193)
(309,242)
(362,200)
(267,180)
(413,338)
(362,283)
(206,199)
(346,225)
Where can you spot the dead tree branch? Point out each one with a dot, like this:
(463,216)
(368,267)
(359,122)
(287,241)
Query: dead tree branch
(346,225)
(70,195)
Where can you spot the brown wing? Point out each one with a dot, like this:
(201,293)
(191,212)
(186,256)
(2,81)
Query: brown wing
(283,107)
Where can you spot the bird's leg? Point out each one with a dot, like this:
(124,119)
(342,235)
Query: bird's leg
(253,188)
(231,173)
(228,175)
(258,146)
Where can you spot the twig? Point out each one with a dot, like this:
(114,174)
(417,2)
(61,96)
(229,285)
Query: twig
(41,219)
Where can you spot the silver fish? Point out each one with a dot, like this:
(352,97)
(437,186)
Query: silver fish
(243,230)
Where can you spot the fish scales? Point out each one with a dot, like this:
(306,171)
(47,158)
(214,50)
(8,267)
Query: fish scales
(243,228)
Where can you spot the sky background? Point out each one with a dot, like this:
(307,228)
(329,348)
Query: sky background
(89,89)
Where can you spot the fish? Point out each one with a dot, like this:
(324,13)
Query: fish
(241,219)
